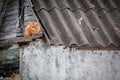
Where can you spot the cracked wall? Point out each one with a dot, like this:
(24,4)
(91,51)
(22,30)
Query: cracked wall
(42,62)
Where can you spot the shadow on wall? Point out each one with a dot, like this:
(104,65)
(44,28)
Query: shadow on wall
(1,4)
(41,62)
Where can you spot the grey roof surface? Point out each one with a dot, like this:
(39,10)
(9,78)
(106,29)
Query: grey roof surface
(80,22)
(9,21)
(10,24)
(67,22)
(77,4)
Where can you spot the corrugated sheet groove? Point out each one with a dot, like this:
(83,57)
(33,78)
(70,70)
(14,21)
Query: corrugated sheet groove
(60,20)
(110,27)
(73,5)
(52,30)
(96,23)
(117,3)
(10,18)
(13,12)
(108,5)
(28,14)
(71,19)
(86,27)
(9,21)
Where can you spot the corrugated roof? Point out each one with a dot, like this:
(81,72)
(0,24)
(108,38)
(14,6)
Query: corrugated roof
(80,22)
(9,21)
(10,26)
(77,4)
(68,22)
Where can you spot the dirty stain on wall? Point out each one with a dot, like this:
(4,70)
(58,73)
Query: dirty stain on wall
(42,62)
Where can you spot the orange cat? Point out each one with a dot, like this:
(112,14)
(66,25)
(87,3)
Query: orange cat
(32,28)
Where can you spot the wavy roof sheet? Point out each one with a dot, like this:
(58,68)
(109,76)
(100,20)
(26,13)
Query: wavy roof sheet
(77,4)
(10,23)
(80,22)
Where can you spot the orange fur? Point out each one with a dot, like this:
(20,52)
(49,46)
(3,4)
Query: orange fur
(32,28)
(15,76)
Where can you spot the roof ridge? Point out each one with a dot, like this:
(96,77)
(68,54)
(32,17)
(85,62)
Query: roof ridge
(77,10)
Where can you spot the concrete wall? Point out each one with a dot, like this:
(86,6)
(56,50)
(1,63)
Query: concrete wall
(56,63)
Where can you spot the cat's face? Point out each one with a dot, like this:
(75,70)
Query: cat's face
(33,28)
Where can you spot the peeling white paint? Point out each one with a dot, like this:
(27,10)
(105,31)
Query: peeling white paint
(56,63)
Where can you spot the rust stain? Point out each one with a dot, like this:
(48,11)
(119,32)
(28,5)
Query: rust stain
(95,28)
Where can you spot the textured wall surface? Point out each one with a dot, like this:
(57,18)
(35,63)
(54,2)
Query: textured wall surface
(41,62)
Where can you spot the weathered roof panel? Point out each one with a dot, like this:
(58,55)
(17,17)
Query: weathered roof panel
(68,22)
(80,22)
(76,4)
(10,26)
